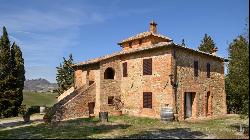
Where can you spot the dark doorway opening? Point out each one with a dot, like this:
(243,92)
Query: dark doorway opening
(189,104)
(91,106)
(109,73)
(208,104)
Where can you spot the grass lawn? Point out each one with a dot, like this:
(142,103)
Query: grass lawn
(125,127)
(39,99)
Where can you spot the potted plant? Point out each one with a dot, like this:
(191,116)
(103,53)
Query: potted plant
(118,106)
(25,113)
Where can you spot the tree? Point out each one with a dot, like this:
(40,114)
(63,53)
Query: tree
(10,85)
(7,94)
(207,44)
(237,79)
(183,42)
(18,72)
(65,75)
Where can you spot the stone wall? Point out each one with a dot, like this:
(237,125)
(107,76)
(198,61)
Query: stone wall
(109,87)
(165,61)
(78,106)
(187,82)
(78,78)
(145,42)
(85,74)
(133,86)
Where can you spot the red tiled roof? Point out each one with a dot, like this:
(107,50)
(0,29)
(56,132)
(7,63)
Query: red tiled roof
(142,35)
(158,45)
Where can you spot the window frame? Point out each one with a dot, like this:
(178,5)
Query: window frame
(125,69)
(130,44)
(110,100)
(196,68)
(140,41)
(208,70)
(109,74)
(147,66)
(147,100)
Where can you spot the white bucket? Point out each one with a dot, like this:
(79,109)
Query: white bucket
(42,110)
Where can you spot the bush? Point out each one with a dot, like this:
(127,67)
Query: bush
(48,115)
(23,110)
(34,109)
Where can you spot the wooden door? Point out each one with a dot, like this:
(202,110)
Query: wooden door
(91,107)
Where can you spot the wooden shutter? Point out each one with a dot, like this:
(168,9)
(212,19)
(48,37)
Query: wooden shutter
(147,99)
(147,66)
(196,68)
(125,71)
(208,70)
(110,100)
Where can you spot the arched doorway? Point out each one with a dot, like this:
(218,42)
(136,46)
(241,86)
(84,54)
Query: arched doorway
(109,73)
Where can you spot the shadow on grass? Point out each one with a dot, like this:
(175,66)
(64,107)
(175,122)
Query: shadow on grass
(78,128)
(176,133)
(18,123)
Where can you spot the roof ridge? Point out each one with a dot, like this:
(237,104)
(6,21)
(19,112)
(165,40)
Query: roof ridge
(160,44)
(144,34)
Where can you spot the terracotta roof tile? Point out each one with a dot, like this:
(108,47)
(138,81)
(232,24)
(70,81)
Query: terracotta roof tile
(142,35)
(158,45)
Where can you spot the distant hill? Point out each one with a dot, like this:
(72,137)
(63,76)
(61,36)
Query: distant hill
(39,85)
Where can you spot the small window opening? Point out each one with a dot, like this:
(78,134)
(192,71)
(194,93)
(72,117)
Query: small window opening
(109,73)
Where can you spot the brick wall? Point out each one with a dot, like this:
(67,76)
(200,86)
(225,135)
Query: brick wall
(144,42)
(133,86)
(109,87)
(201,84)
(78,106)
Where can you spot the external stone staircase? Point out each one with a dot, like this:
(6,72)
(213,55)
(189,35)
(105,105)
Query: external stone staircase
(57,111)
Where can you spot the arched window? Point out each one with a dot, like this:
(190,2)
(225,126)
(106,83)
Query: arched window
(109,73)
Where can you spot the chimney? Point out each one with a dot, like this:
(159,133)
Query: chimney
(214,50)
(153,27)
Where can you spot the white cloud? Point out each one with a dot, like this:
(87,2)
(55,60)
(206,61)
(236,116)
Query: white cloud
(44,35)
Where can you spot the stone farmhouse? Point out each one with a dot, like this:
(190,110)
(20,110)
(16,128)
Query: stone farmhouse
(150,72)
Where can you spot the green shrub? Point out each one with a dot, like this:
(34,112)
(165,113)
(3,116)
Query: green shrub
(34,109)
(23,110)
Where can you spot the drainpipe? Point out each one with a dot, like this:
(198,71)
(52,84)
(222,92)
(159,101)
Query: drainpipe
(174,83)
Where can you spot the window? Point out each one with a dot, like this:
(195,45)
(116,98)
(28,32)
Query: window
(91,82)
(174,54)
(196,68)
(110,100)
(147,99)
(208,70)
(125,71)
(147,66)
(109,73)
(130,44)
(140,41)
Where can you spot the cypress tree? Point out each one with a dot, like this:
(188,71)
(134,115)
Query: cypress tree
(65,75)
(18,72)
(183,42)
(11,77)
(7,99)
(207,44)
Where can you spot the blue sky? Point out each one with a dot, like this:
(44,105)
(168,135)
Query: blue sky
(48,30)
